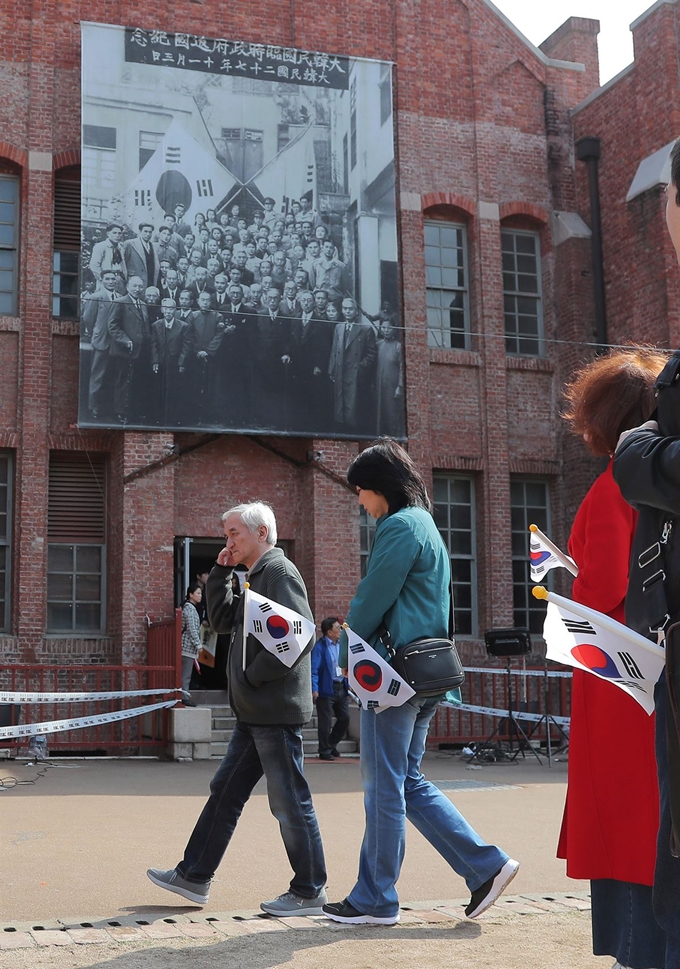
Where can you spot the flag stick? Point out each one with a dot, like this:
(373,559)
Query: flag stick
(245,621)
(563,559)
(540,592)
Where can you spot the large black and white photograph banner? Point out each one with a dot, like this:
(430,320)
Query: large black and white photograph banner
(239,238)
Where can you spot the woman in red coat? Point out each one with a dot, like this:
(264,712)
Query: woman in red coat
(611,815)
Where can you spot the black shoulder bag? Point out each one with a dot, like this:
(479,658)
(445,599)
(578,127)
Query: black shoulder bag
(431,667)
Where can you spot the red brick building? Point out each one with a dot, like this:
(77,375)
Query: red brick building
(94,526)
(636,117)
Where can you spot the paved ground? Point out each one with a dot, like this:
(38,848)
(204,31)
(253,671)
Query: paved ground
(74,849)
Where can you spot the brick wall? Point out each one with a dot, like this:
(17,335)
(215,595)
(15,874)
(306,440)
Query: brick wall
(483,133)
(635,116)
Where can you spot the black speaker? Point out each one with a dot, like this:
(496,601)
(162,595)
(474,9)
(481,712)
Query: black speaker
(9,714)
(507,642)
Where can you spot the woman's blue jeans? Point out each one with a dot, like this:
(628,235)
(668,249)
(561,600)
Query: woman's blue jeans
(276,752)
(392,747)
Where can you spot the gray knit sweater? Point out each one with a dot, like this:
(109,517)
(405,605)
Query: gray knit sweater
(269,693)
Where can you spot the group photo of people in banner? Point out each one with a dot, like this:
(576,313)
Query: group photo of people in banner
(239,278)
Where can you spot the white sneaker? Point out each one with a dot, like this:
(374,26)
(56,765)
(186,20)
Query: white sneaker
(484,896)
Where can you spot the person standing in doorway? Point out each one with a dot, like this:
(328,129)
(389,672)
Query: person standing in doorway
(330,690)
(191,637)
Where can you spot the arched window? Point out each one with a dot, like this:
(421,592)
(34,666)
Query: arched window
(446,267)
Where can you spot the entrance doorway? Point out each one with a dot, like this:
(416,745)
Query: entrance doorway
(193,556)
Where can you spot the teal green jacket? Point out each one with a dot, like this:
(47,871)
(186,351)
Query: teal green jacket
(406,584)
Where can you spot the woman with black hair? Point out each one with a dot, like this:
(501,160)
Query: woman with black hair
(406,590)
(191,636)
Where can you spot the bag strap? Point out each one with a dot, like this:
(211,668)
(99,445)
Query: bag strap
(385,635)
(651,563)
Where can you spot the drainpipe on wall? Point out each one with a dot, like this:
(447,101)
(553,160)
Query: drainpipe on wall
(588,150)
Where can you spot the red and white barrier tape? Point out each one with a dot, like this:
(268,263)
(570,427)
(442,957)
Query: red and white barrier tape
(517,714)
(78,723)
(43,697)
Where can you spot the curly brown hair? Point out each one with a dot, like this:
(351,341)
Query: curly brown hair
(612,394)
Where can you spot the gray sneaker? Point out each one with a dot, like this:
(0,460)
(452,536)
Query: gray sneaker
(174,882)
(291,904)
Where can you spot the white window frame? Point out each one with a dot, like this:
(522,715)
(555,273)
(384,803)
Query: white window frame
(6,539)
(441,335)
(513,340)
(530,608)
(74,629)
(446,532)
(11,269)
(367,526)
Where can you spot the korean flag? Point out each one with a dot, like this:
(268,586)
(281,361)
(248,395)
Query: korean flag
(579,636)
(282,631)
(372,678)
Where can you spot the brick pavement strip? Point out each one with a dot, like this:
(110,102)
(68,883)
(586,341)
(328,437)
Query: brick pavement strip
(516,906)
(88,936)
(37,924)
(266,925)
(232,927)
(82,922)
(300,922)
(410,918)
(125,933)
(51,937)
(161,930)
(20,935)
(16,940)
(433,915)
(197,930)
(456,911)
(573,901)
(543,904)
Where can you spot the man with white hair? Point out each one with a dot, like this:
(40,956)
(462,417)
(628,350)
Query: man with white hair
(271,702)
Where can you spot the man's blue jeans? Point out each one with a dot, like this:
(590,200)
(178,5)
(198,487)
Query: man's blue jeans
(392,747)
(276,752)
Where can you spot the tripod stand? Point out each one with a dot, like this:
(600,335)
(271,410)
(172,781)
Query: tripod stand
(548,719)
(492,749)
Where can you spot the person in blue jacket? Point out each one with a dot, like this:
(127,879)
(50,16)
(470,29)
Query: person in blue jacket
(406,587)
(330,690)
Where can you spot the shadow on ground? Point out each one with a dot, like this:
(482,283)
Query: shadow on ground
(285,946)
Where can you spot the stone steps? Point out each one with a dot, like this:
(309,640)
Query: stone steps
(223,722)
(346,748)
(224,735)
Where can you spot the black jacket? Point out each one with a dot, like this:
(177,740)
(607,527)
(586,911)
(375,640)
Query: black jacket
(269,693)
(647,470)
